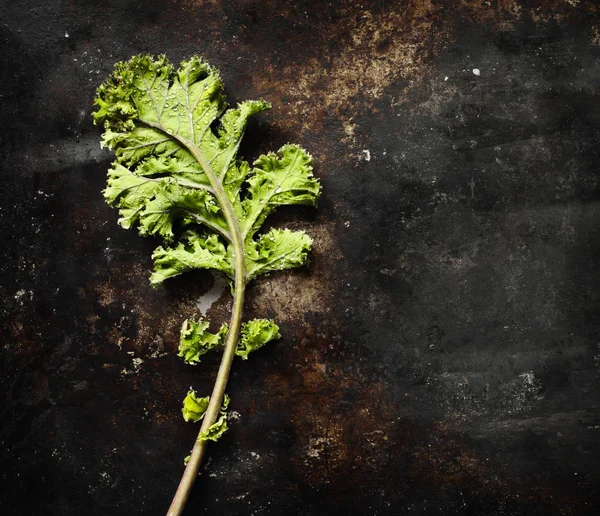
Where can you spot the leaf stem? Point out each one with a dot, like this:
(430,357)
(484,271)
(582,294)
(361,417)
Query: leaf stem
(216,398)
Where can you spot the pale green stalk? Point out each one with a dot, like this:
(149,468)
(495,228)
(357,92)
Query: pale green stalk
(216,398)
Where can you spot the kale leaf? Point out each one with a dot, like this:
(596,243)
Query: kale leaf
(177,176)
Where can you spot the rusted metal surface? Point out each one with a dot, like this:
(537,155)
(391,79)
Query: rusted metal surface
(441,354)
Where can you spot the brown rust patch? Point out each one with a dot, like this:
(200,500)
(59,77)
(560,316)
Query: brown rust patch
(595,35)
(373,51)
(446,461)
(142,325)
(344,422)
(106,293)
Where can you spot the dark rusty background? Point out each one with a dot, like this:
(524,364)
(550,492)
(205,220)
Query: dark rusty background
(441,355)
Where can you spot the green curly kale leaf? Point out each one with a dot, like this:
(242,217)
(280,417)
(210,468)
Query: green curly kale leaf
(195,340)
(177,176)
(159,122)
(194,407)
(217,429)
(255,334)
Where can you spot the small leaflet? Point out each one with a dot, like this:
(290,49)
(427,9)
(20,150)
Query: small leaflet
(255,334)
(216,430)
(195,340)
(194,408)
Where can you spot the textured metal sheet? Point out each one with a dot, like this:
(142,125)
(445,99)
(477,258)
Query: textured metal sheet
(441,354)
